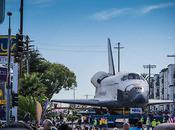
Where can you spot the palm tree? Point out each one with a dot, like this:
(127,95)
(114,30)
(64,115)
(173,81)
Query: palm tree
(27,107)
(30,85)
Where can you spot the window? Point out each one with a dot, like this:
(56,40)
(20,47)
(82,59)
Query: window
(132,76)
(124,78)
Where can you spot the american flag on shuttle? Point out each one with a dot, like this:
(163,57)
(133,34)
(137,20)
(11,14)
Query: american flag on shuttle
(171,120)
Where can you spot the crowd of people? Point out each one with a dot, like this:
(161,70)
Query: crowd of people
(49,125)
(88,123)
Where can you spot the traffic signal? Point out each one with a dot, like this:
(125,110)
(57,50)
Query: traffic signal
(14,99)
(19,48)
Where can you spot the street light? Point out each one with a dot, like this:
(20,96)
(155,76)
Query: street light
(8,71)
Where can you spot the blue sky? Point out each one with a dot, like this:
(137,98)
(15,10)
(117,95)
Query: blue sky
(75,32)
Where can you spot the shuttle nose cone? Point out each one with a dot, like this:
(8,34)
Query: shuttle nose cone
(139,99)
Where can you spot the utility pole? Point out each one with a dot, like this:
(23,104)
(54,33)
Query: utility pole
(149,67)
(21,17)
(27,56)
(8,72)
(21,32)
(118,47)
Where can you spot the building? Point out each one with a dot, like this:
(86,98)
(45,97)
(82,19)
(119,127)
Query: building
(164,88)
(156,85)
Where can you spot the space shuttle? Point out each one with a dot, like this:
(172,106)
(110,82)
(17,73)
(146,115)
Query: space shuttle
(116,90)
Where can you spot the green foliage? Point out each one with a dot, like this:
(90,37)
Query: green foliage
(27,105)
(50,114)
(57,77)
(36,63)
(31,85)
(44,80)
(72,116)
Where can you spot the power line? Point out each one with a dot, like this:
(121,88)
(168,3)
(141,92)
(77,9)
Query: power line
(72,50)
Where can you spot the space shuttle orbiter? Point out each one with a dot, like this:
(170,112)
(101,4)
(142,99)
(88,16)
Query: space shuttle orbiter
(119,89)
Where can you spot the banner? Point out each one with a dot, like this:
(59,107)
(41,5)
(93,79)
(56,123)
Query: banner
(4,45)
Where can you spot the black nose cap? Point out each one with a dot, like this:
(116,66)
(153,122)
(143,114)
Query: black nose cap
(139,98)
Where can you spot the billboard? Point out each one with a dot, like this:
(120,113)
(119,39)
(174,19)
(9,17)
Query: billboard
(4,45)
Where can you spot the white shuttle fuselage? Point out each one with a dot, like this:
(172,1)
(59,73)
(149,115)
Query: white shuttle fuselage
(119,89)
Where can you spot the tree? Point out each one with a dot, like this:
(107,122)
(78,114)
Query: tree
(57,77)
(27,108)
(49,80)
(31,85)
(36,62)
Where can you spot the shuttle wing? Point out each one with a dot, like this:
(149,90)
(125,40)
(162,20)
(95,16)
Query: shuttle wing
(91,102)
(157,101)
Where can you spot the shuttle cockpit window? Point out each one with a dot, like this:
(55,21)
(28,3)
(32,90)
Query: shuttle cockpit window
(132,76)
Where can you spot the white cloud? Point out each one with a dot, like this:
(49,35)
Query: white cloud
(150,8)
(40,2)
(112,13)
(108,14)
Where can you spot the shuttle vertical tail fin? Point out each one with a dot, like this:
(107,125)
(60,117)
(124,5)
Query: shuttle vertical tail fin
(110,59)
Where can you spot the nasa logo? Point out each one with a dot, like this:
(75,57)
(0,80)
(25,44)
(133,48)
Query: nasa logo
(136,110)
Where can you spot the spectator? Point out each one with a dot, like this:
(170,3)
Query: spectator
(148,123)
(47,124)
(153,124)
(126,126)
(165,126)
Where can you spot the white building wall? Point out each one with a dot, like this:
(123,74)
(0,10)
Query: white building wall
(161,84)
(171,83)
(165,86)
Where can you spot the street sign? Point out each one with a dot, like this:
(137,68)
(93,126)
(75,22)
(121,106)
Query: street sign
(136,110)
(2,10)
(4,45)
